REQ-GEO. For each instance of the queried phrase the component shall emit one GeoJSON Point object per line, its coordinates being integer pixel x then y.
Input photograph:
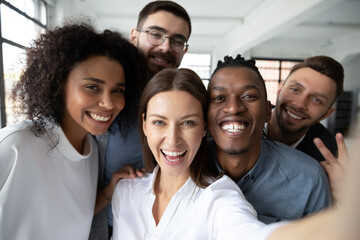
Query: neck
{"type": "Point", "coordinates": [276, 134]}
{"type": "Point", "coordinates": [77, 140]}
{"type": "Point", "coordinates": [167, 186]}
{"type": "Point", "coordinates": [237, 166]}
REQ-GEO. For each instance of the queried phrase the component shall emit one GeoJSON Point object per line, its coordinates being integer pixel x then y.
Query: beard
{"type": "Point", "coordinates": [235, 151]}
{"type": "Point", "coordinates": [168, 57]}
{"type": "Point", "coordinates": [284, 126]}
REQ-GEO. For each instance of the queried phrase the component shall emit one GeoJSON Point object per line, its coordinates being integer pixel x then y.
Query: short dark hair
{"type": "Point", "coordinates": [168, 6]}
{"type": "Point", "coordinates": [327, 66]}
{"type": "Point", "coordinates": [39, 94]}
{"type": "Point", "coordinates": [181, 80]}
{"type": "Point", "coordinates": [239, 61]}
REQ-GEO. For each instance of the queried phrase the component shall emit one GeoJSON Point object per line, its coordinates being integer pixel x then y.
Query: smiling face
{"type": "Point", "coordinates": [161, 56]}
{"type": "Point", "coordinates": [94, 95]}
{"type": "Point", "coordinates": [238, 110]}
{"type": "Point", "coordinates": [174, 130]}
{"type": "Point", "coordinates": [304, 100]}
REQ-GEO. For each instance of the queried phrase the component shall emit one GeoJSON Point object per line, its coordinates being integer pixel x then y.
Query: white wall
{"type": "Point", "coordinates": [352, 73]}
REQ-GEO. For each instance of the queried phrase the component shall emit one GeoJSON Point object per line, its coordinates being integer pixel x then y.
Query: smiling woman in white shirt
{"type": "Point", "coordinates": [179, 200]}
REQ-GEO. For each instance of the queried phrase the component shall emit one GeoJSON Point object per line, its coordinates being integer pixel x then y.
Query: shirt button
{"type": "Point", "coordinates": [252, 178]}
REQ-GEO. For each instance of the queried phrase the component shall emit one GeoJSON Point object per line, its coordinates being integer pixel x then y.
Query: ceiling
{"type": "Point", "coordinates": [260, 28]}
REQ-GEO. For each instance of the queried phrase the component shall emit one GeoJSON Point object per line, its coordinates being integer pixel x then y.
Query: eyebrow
{"type": "Point", "coordinates": [163, 30]}
{"type": "Point", "coordinates": [246, 87]}
{"type": "Point", "coordinates": [99, 81]}
{"type": "Point", "coordinates": [184, 117]}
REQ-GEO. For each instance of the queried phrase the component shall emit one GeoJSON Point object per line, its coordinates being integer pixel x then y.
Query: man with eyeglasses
{"type": "Point", "coordinates": [161, 35]}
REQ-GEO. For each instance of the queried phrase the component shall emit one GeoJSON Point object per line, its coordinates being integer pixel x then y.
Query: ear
{"type": "Point", "coordinates": [186, 49]}
{"type": "Point", "coordinates": [134, 36]}
{"type": "Point", "coordinates": [144, 124]}
{"type": "Point", "coordinates": [205, 130]}
{"type": "Point", "coordinates": [328, 112]}
{"type": "Point", "coordinates": [268, 111]}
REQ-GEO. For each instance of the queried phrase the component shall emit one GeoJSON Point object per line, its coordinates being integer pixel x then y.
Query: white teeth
{"type": "Point", "coordinates": [99, 118]}
{"type": "Point", "coordinates": [173, 154]}
{"type": "Point", "coordinates": [293, 115]}
{"type": "Point", "coordinates": [233, 127]}
{"type": "Point", "coordinates": [160, 59]}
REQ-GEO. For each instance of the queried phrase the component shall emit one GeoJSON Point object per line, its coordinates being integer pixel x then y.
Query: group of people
{"type": "Point", "coordinates": [121, 143]}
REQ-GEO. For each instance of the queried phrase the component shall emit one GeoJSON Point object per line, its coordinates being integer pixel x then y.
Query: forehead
{"type": "Point", "coordinates": [168, 21]}
{"type": "Point", "coordinates": [168, 103]}
{"type": "Point", "coordinates": [312, 80]}
{"type": "Point", "coordinates": [236, 78]}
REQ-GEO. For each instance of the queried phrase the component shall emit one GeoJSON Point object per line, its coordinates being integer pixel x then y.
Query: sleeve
{"type": "Point", "coordinates": [8, 155]}
{"type": "Point", "coordinates": [231, 216]}
{"type": "Point", "coordinates": [320, 197]}
{"type": "Point", "coordinates": [115, 205]}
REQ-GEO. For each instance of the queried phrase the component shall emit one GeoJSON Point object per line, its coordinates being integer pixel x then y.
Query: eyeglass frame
{"type": "Point", "coordinates": [147, 31]}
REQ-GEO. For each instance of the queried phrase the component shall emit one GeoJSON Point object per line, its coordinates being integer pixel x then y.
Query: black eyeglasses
{"type": "Point", "coordinates": [156, 37]}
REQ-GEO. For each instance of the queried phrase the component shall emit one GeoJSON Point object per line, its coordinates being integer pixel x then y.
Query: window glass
{"type": "Point", "coordinates": [14, 60]}
{"type": "Point", "coordinates": [274, 73]}
{"type": "Point", "coordinates": [33, 8]}
{"type": "Point", "coordinates": [26, 30]}
{"type": "Point", "coordinates": [199, 63]}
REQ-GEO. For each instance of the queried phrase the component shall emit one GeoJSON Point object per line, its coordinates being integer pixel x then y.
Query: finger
{"type": "Point", "coordinates": [327, 166]}
{"type": "Point", "coordinates": [342, 149]}
{"type": "Point", "coordinates": [129, 170]}
{"type": "Point", "coordinates": [324, 150]}
{"type": "Point", "coordinates": [139, 173]}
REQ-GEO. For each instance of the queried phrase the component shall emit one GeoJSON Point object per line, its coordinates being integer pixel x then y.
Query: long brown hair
{"type": "Point", "coordinates": [181, 80]}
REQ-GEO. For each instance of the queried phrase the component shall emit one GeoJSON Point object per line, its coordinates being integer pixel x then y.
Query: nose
{"type": "Point", "coordinates": [301, 102]}
{"type": "Point", "coordinates": [165, 46]}
{"type": "Point", "coordinates": [234, 106]}
{"type": "Point", "coordinates": [173, 135]}
{"type": "Point", "coordinates": [106, 101]}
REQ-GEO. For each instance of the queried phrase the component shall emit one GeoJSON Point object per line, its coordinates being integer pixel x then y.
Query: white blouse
{"type": "Point", "coordinates": [218, 212]}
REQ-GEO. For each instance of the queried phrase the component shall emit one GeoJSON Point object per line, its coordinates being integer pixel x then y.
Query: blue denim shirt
{"type": "Point", "coordinates": [284, 184]}
{"type": "Point", "coordinates": [120, 152]}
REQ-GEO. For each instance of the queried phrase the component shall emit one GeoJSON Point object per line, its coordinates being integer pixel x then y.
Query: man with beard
{"type": "Point", "coordinates": [161, 35]}
{"type": "Point", "coordinates": [280, 182]}
{"type": "Point", "coordinates": [305, 99]}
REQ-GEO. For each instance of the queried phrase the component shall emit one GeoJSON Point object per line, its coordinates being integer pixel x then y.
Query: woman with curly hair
{"type": "Point", "coordinates": [75, 84]}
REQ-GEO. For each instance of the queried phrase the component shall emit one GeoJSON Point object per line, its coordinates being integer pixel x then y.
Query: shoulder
{"type": "Point", "coordinates": [289, 159]}
{"type": "Point", "coordinates": [139, 184]}
{"type": "Point", "coordinates": [319, 130]}
{"type": "Point", "coordinates": [16, 132]}
{"type": "Point", "coordinates": [224, 189]}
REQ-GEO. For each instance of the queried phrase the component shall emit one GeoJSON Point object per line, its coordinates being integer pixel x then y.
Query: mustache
{"type": "Point", "coordinates": [167, 56]}
{"type": "Point", "coordinates": [295, 110]}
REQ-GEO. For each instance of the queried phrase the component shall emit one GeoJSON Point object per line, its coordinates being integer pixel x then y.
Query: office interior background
{"type": "Point", "coordinates": [277, 33]}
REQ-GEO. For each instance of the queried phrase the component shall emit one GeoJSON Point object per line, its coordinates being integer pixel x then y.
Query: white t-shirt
{"type": "Point", "coordinates": [218, 212]}
{"type": "Point", "coordinates": [47, 189]}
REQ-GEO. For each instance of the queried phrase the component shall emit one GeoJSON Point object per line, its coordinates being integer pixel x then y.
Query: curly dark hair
{"type": "Point", "coordinates": [39, 94]}
{"type": "Point", "coordinates": [239, 61]}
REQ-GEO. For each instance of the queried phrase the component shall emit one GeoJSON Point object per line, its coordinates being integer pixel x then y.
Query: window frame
{"type": "Point", "coordinates": [3, 117]}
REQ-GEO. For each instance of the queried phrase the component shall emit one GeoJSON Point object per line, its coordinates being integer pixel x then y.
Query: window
{"type": "Point", "coordinates": [21, 21]}
{"type": "Point", "coordinates": [274, 72]}
{"type": "Point", "coordinates": [199, 63]}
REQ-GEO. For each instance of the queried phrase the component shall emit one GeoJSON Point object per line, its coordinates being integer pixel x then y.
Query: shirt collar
{"type": "Point", "coordinates": [188, 186]}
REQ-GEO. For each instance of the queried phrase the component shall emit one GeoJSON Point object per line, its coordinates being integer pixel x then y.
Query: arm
{"type": "Point", "coordinates": [104, 196]}
{"type": "Point", "coordinates": [334, 167]}
{"type": "Point", "coordinates": [336, 223]}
